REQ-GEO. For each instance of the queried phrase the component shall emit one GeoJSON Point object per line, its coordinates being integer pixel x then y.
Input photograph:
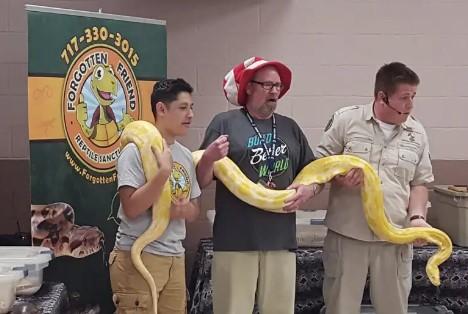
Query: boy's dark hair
{"type": "Point", "coordinates": [167, 90]}
{"type": "Point", "coordinates": [390, 75]}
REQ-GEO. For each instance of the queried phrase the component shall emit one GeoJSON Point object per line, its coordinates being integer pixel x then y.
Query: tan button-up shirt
{"type": "Point", "coordinates": [401, 161]}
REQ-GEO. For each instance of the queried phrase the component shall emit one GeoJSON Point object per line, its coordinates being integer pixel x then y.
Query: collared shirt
{"type": "Point", "coordinates": [401, 161]}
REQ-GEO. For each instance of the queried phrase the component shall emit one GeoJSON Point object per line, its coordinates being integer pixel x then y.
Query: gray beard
{"type": "Point", "coordinates": [267, 109]}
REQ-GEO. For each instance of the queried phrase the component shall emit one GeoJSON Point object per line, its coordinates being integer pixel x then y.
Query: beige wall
{"type": "Point", "coordinates": [334, 48]}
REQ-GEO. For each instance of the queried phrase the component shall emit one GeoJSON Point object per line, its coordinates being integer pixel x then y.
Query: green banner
{"type": "Point", "coordinates": [90, 74]}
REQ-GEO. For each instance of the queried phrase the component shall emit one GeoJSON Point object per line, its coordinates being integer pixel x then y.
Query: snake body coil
{"type": "Point", "coordinates": [145, 135]}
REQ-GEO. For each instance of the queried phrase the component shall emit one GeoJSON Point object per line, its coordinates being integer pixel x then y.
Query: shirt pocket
{"type": "Point", "coordinates": [407, 161]}
{"type": "Point", "coordinates": [359, 149]}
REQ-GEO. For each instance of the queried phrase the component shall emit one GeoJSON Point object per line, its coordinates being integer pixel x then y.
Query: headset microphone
{"type": "Point", "coordinates": [385, 100]}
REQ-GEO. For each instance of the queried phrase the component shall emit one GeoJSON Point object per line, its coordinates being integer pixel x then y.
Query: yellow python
{"type": "Point", "coordinates": [145, 135]}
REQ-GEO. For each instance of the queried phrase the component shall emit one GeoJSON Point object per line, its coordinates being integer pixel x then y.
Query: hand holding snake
{"type": "Point", "coordinates": [147, 137]}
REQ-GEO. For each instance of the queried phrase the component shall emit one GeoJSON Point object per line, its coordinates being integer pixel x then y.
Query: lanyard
{"type": "Point", "coordinates": [270, 154]}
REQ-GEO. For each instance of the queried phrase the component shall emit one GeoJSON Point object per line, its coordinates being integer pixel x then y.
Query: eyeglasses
{"type": "Point", "coordinates": [269, 85]}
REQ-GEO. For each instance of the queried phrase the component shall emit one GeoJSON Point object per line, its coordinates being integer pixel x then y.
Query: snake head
{"type": "Point", "coordinates": [433, 274]}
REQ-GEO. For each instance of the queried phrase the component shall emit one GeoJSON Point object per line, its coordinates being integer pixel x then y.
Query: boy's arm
{"type": "Point", "coordinates": [188, 210]}
{"type": "Point", "coordinates": [136, 201]}
{"type": "Point", "coordinates": [216, 150]}
{"type": "Point", "coordinates": [216, 146]}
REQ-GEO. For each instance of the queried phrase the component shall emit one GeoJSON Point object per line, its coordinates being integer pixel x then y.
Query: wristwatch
{"type": "Point", "coordinates": [414, 217]}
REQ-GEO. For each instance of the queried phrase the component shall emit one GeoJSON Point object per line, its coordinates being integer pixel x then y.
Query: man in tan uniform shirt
{"type": "Point", "coordinates": [395, 143]}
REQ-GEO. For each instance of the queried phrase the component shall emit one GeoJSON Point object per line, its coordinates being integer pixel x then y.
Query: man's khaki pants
{"type": "Point", "coordinates": [347, 262]}
{"type": "Point", "coordinates": [241, 277]}
{"type": "Point", "coordinates": [131, 292]}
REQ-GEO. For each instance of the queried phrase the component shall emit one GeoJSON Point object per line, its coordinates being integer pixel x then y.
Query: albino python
{"type": "Point", "coordinates": [145, 135]}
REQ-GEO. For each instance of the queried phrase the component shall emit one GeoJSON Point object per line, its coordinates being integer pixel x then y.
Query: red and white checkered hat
{"type": "Point", "coordinates": [236, 80]}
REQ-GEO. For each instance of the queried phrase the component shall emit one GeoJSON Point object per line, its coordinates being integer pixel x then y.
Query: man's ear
{"type": "Point", "coordinates": [382, 95]}
{"type": "Point", "coordinates": [161, 108]}
{"type": "Point", "coordinates": [248, 88]}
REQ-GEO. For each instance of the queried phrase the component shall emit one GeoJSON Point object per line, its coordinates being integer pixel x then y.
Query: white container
{"type": "Point", "coordinates": [9, 278]}
{"type": "Point", "coordinates": [310, 227]}
{"type": "Point", "coordinates": [35, 259]}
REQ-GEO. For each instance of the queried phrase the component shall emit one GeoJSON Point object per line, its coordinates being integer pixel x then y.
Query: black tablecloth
{"type": "Point", "coordinates": [452, 293]}
{"type": "Point", "coordinates": [52, 298]}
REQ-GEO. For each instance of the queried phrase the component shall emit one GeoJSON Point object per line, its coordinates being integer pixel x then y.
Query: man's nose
{"type": "Point", "coordinates": [410, 104]}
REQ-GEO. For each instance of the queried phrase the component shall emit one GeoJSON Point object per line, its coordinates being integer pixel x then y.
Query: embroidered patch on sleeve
{"type": "Point", "coordinates": [329, 124]}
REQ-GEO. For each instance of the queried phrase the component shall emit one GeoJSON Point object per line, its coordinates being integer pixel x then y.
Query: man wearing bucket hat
{"type": "Point", "coordinates": [253, 248]}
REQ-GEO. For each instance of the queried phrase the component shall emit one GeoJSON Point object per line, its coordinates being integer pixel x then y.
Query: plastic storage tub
{"type": "Point", "coordinates": [310, 226]}
{"type": "Point", "coordinates": [34, 259]}
{"type": "Point", "coordinates": [9, 278]}
{"type": "Point", "coordinates": [449, 212]}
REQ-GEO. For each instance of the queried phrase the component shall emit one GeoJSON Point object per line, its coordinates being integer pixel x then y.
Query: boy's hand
{"type": "Point", "coordinates": [217, 149]}
{"type": "Point", "coordinates": [164, 158]}
{"type": "Point", "coordinates": [179, 208]}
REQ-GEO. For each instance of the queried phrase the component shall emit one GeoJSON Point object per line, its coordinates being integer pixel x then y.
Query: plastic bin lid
{"type": "Point", "coordinates": [5, 267]}
{"type": "Point", "coordinates": [25, 254]}
{"type": "Point", "coordinates": [14, 271]}
{"type": "Point", "coordinates": [444, 189]}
